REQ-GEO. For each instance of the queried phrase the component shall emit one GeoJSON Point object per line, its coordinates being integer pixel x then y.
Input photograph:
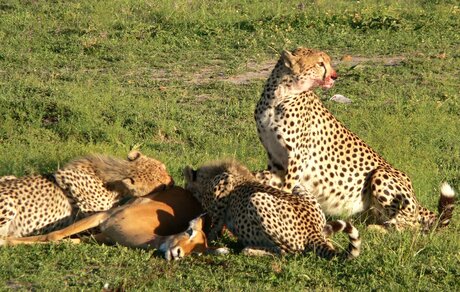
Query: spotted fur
{"type": "Point", "coordinates": [42, 203]}
{"type": "Point", "coordinates": [263, 218]}
{"type": "Point", "coordinates": [308, 146]}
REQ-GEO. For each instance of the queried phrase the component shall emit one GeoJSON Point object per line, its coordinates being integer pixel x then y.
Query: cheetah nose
{"type": "Point", "coordinates": [334, 75]}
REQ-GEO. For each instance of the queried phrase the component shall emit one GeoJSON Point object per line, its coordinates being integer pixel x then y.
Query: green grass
{"type": "Point", "coordinates": [101, 76]}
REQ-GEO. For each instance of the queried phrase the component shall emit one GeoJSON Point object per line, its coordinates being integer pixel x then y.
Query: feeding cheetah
{"type": "Point", "coordinates": [308, 146]}
{"type": "Point", "coordinates": [39, 204]}
{"type": "Point", "coordinates": [263, 218]}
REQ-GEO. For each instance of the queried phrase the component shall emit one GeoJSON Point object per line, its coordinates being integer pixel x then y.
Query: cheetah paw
{"type": "Point", "coordinates": [377, 228]}
{"type": "Point", "coordinates": [218, 251]}
{"type": "Point", "coordinates": [249, 251]}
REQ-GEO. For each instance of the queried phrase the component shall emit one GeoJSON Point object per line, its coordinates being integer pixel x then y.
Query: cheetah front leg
{"type": "Point", "coordinates": [295, 170]}
{"type": "Point", "coordinates": [217, 224]}
{"type": "Point", "coordinates": [283, 179]}
{"type": "Point", "coordinates": [215, 231]}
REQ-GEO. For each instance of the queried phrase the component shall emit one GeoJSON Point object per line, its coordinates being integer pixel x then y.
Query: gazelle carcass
{"type": "Point", "coordinates": [169, 221]}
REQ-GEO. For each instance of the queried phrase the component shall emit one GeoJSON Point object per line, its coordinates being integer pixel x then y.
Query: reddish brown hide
{"type": "Point", "coordinates": [168, 220]}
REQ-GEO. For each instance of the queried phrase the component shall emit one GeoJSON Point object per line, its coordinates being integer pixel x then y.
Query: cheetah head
{"type": "Point", "coordinates": [306, 69]}
{"type": "Point", "coordinates": [146, 175]}
{"type": "Point", "coordinates": [198, 181]}
{"type": "Point", "coordinates": [213, 179]}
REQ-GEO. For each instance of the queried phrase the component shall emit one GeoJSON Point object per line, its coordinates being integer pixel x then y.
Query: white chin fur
{"type": "Point", "coordinates": [168, 256]}
{"type": "Point", "coordinates": [328, 84]}
{"type": "Point", "coordinates": [447, 190]}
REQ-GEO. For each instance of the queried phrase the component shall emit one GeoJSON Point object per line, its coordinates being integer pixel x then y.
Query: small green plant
{"type": "Point", "coordinates": [182, 78]}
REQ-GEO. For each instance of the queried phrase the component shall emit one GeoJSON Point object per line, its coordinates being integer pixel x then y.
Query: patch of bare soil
{"type": "Point", "coordinates": [357, 60]}
{"type": "Point", "coordinates": [255, 71]}
{"type": "Point", "coordinates": [261, 71]}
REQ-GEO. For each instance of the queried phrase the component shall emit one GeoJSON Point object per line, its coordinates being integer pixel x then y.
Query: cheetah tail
{"type": "Point", "coordinates": [446, 204]}
{"type": "Point", "coordinates": [354, 247]}
{"type": "Point", "coordinates": [429, 220]}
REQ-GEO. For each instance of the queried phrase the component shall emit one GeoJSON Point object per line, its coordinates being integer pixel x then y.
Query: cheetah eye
{"type": "Point", "coordinates": [322, 64]}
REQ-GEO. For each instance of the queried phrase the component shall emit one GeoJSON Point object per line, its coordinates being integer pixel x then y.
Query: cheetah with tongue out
{"type": "Point", "coordinates": [308, 146]}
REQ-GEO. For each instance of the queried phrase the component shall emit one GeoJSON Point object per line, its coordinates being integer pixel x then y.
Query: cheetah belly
{"type": "Point", "coordinates": [333, 205]}
{"type": "Point", "coordinates": [336, 200]}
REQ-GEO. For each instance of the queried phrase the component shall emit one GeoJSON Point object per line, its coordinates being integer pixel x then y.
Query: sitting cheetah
{"type": "Point", "coordinates": [42, 203]}
{"type": "Point", "coordinates": [308, 146]}
{"type": "Point", "coordinates": [263, 218]}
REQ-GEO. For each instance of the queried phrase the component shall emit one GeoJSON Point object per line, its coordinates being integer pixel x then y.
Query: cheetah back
{"type": "Point", "coordinates": [265, 216]}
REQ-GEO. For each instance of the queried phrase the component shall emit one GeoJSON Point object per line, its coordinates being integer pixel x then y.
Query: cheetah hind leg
{"type": "Point", "coordinates": [79, 226]}
{"type": "Point", "coordinates": [7, 215]}
{"type": "Point", "coordinates": [392, 200]}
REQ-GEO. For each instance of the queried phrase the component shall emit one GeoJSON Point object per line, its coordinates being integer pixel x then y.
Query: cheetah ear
{"type": "Point", "coordinates": [290, 61]}
{"type": "Point", "coordinates": [189, 174]}
{"type": "Point", "coordinates": [134, 155]}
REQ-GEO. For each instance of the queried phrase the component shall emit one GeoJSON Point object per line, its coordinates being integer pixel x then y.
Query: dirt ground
{"type": "Point", "coordinates": [261, 71]}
